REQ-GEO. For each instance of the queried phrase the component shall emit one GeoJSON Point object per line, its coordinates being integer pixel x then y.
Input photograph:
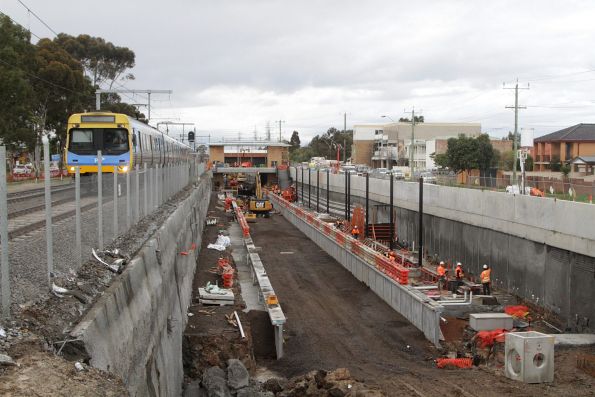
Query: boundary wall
{"type": "Point", "coordinates": [135, 329]}
{"type": "Point", "coordinates": [540, 249]}
{"type": "Point", "coordinates": [416, 307]}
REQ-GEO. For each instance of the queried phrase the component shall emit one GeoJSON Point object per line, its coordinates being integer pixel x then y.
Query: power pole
{"type": "Point", "coordinates": [516, 108]}
{"type": "Point", "coordinates": [345, 139]}
{"type": "Point", "coordinates": [280, 122]}
{"type": "Point", "coordinates": [411, 166]}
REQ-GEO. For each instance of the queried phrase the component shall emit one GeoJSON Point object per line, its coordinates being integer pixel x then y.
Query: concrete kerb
{"type": "Point", "coordinates": [421, 311]}
{"type": "Point", "coordinates": [135, 329]}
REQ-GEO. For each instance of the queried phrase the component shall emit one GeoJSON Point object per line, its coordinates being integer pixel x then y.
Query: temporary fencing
{"type": "Point", "coordinates": [455, 362]}
{"type": "Point", "coordinates": [241, 219]}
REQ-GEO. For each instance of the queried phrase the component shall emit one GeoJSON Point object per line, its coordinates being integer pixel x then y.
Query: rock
{"type": "Point", "coordinates": [319, 378]}
{"type": "Point", "coordinates": [237, 374]}
{"type": "Point", "coordinates": [6, 360]}
{"type": "Point", "coordinates": [193, 390]}
{"type": "Point", "coordinates": [213, 379]}
{"type": "Point", "coordinates": [252, 391]}
{"type": "Point", "coordinates": [274, 385]}
{"type": "Point", "coordinates": [338, 374]}
{"type": "Point", "coordinates": [312, 389]}
{"type": "Point", "coordinates": [79, 366]}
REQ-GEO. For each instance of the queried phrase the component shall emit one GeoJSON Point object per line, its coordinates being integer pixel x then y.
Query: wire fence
{"type": "Point", "coordinates": [50, 232]}
{"type": "Point", "coordinates": [568, 189]}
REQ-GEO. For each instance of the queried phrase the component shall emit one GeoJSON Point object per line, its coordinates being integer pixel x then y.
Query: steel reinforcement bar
{"type": "Point", "coordinates": [383, 277]}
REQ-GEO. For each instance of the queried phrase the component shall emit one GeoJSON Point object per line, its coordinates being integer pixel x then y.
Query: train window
{"type": "Point", "coordinates": [81, 141]}
{"type": "Point", "coordinates": [115, 141]}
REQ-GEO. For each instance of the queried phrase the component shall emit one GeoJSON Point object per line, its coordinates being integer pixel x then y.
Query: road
{"type": "Point", "coordinates": [336, 321]}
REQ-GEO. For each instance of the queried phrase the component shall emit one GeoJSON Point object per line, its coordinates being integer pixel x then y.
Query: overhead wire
{"type": "Point", "coordinates": [16, 23]}
{"type": "Point", "coordinates": [38, 18]}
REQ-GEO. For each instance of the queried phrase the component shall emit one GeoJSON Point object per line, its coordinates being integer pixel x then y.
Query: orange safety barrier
{"type": "Point", "coordinates": [241, 220]}
{"type": "Point", "coordinates": [392, 269]}
{"type": "Point", "coordinates": [487, 338]}
{"type": "Point", "coordinates": [518, 311]}
{"type": "Point", "coordinates": [455, 362]}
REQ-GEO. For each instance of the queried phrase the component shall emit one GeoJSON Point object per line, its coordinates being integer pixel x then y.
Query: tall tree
{"type": "Point", "coordinates": [418, 119]}
{"type": "Point", "coordinates": [103, 61]}
{"type": "Point", "coordinates": [16, 92]}
{"type": "Point", "coordinates": [294, 141]}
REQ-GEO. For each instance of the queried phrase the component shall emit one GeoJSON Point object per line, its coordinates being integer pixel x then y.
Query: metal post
{"type": "Point", "coordinates": [128, 203]}
{"type": "Point", "coordinates": [156, 196]}
{"type": "Point", "coordinates": [391, 216]}
{"type": "Point", "coordinates": [328, 191]}
{"type": "Point", "coordinates": [345, 204]}
{"type": "Point", "coordinates": [99, 200]}
{"type": "Point", "coordinates": [309, 182]}
{"type": "Point", "coordinates": [115, 204]}
{"type": "Point", "coordinates": [297, 199]}
{"type": "Point", "coordinates": [146, 209]}
{"type": "Point", "coordinates": [48, 210]}
{"type": "Point", "coordinates": [136, 196]}
{"type": "Point", "coordinates": [317, 190]}
{"type": "Point", "coordinates": [420, 244]}
{"type": "Point", "coordinates": [349, 196]}
{"type": "Point", "coordinates": [5, 270]}
{"type": "Point", "coordinates": [77, 218]}
{"type": "Point", "coordinates": [302, 168]}
{"type": "Point", "coordinates": [367, 202]}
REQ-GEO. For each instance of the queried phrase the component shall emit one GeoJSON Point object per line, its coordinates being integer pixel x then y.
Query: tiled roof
{"type": "Point", "coordinates": [579, 132]}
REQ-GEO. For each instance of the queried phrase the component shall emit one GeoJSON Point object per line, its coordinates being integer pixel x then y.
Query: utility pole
{"type": "Point", "coordinates": [280, 122]}
{"type": "Point", "coordinates": [516, 108]}
{"type": "Point", "coordinates": [345, 139]}
{"type": "Point", "coordinates": [123, 91]}
{"type": "Point", "coordinates": [411, 166]}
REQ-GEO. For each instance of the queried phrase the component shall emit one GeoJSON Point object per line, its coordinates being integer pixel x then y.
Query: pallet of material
{"type": "Point", "coordinates": [216, 299]}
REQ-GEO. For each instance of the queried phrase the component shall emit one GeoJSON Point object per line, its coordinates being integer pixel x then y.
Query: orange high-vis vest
{"type": "Point", "coordinates": [459, 272]}
{"type": "Point", "coordinates": [441, 270]}
{"type": "Point", "coordinates": [485, 276]}
{"type": "Point", "coordinates": [355, 231]}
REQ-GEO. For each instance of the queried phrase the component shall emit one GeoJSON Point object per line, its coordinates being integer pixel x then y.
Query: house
{"type": "Point", "coordinates": [564, 147]}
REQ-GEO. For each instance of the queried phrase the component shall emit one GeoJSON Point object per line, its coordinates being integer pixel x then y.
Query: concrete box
{"type": "Point", "coordinates": [529, 357]}
{"type": "Point", "coordinates": [490, 321]}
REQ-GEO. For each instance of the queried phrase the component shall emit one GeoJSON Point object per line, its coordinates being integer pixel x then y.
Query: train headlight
{"type": "Point", "coordinates": [72, 169]}
{"type": "Point", "coordinates": [123, 168]}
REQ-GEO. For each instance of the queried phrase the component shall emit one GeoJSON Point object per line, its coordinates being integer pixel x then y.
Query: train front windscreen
{"type": "Point", "coordinates": [111, 141]}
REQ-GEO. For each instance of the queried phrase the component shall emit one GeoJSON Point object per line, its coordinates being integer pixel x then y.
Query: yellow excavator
{"type": "Point", "coordinates": [258, 204]}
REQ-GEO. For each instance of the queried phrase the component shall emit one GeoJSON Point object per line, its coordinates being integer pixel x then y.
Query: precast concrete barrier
{"type": "Point", "coordinates": [416, 307]}
{"type": "Point", "coordinates": [135, 329]}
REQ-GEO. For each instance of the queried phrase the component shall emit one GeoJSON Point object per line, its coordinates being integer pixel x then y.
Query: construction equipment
{"type": "Point", "coordinates": [259, 204]}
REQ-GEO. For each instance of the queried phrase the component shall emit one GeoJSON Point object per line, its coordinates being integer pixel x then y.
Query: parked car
{"type": "Point", "coordinates": [21, 170]}
{"type": "Point", "coordinates": [398, 174]}
{"type": "Point", "coordinates": [428, 177]}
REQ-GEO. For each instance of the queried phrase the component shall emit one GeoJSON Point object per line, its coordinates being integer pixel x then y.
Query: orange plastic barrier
{"type": "Point", "coordinates": [242, 221]}
{"type": "Point", "coordinates": [487, 338]}
{"type": "Point", "coordinates": [518, 311]}
{"type": "Point", "coordinates": [455, 362]}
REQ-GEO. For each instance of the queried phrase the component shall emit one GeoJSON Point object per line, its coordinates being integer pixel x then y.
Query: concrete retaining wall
{"type": "Point", "coordinates": [410, 303]}
{"type": "Point", "coordinates": [540, 249]}
{"type": "Point", "coordinates": [135, 329]}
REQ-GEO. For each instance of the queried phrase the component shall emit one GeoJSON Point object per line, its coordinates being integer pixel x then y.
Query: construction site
{"type": "Point", "coordinates": [294, 282]}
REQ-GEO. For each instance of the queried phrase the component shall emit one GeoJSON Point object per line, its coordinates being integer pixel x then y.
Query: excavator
{"type": "Point", "coordinates": [259, 205]}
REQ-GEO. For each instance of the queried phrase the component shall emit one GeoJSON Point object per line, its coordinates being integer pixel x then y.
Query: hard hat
{"type": "Point", "coordinates": [355, 226]}
{"type": "Point", "coordinates": [442, 262]}
{"type": "Point", "coordinates": [459, 264]}
{"type": "Point", "coordinates": [485, 266]}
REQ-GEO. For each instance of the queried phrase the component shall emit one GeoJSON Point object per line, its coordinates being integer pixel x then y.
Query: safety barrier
{"type": "Point", "coordinates": [394, 270]}
{"type": "Point", "coordinates": [241, 219]}
{"type": "Point", "coordinates": [359, 259]}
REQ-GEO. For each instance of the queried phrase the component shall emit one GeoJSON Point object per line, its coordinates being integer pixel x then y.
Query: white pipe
{"type": "Point", "coordinates": [459, 303]}
{"type": "Point", "coordinates": [426, 287]}
{"type": "Point", "coordinates": [239, 324]}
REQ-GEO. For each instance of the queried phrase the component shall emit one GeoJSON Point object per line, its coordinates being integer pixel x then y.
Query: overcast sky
{"type": "Point", "coordinates": [235, 65]}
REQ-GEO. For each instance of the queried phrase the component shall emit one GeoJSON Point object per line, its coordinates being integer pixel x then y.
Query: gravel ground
{"type": "Point", "coordinates": [336, 321]}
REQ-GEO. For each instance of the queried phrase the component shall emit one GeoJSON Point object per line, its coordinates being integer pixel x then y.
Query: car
{"type": "Point", "coordinates": [21, 169]}
{"type": "Point", "coordinates": [428, 177]}
{"type": "Point", "coordinates": [398, 174]}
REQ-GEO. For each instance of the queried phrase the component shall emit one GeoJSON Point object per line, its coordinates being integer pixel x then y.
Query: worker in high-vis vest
{"type": "Point", "coordinates": [486, 280]}
{"type": "Point", "coordinates": [441, 271]}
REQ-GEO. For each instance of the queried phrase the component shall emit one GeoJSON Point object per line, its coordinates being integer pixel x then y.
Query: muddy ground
{"type": "Point", "coordinates": [333, 321]}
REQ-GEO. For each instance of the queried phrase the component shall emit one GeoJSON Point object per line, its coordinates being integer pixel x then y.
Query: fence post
{"type": "Point", "coordinates": [115, 203]}
{"type": "Point", "coordinates": [77, 217]}
{"type": "Point", "coordinates": [128, 203]}
{"type": "Point", "coordinates": [328, 191]}
{"type": "Point", "coordinates": [5, 271]}
{"type": "Point", "coordinates": [99, 200]}
{"type": "Point", "coordinates": [391, 219]}
{"type": "Point", "coordinates": [420, 243]}
{"type": "Point", "coordinates": [48, 210]}
{"type": "Point", "coordinates": [136, 196]}
{"type": "Point", "coordinates": [145, 189]}
{"type": "Point", "coordinates": [367, 202]}
{"type": "Point", "coordinates": [317, 190]}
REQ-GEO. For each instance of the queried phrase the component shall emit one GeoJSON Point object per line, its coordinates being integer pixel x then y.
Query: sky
{"type": "Point", "coordinates": [237, 65]}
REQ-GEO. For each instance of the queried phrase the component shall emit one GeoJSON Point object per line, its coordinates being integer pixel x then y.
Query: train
{"type": "Point", "coordinates": [124, 143]}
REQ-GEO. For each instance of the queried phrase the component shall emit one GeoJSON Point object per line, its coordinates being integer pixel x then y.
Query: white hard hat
{"type": "Point", "coordinates": [442, 262]}
{"type": "Point", "coordinates": [459, 264]}
{"type": "Point", "coordinates": [485, 266]}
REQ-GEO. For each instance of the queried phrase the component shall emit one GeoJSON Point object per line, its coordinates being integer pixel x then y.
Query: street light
{"type": "Point", "coordinates": [390, 152]}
